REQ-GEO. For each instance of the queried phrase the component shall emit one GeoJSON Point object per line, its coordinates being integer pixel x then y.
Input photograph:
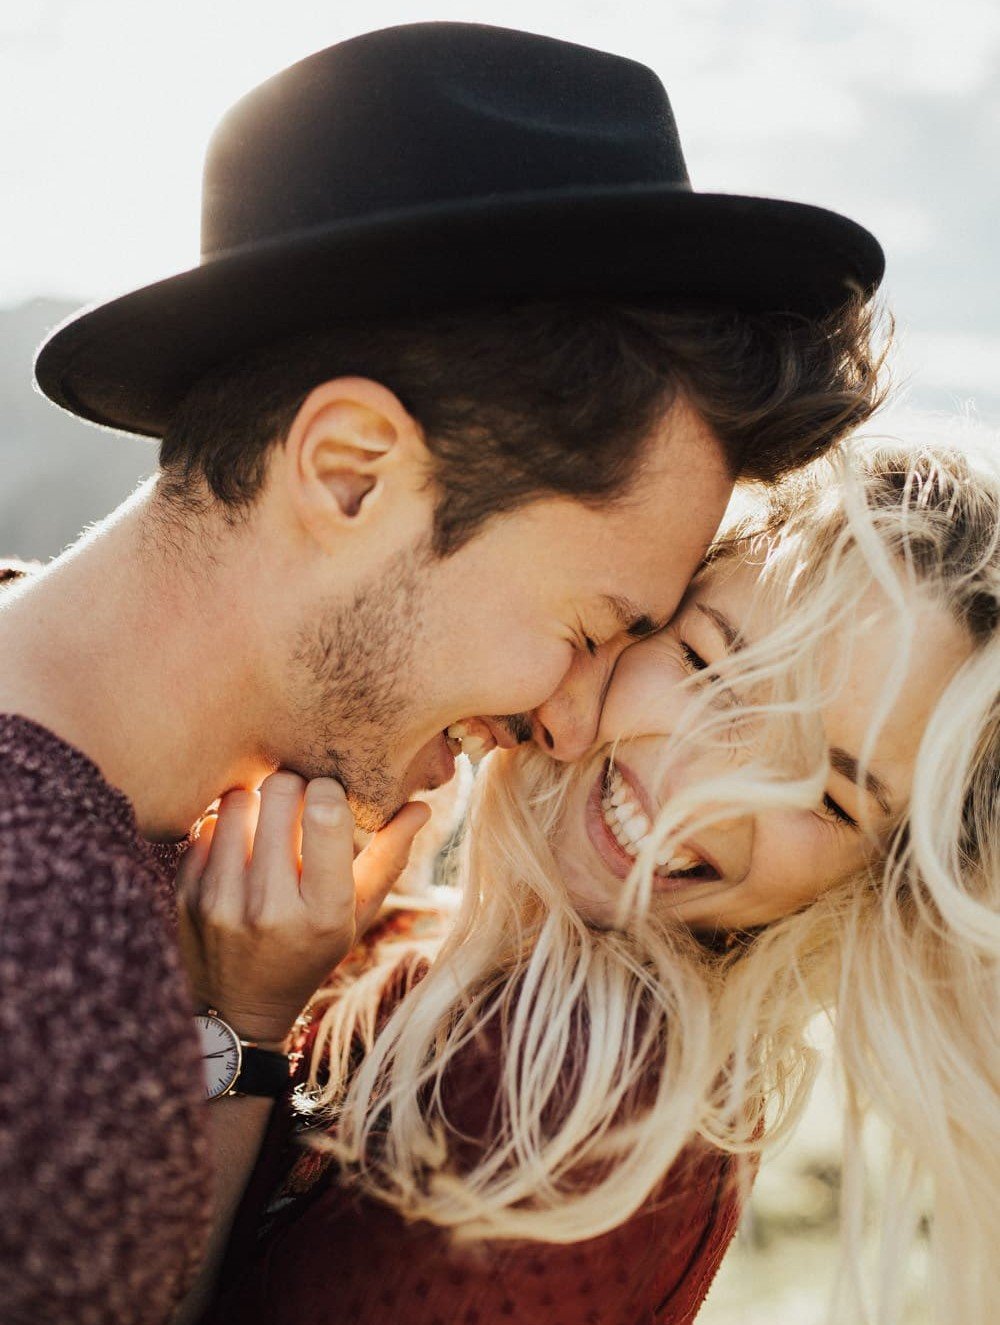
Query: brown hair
{"type": "Point", "coordinates": [543, 399]}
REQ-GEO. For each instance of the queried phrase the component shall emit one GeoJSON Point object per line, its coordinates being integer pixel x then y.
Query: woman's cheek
{"type": "Point", "coordinates": [644, 697]}
{"type": "Point", "coordinates": [797, 857]}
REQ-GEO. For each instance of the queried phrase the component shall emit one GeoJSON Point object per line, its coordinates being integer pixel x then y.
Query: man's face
{"type": "Point", "coordinates": [516, 634]}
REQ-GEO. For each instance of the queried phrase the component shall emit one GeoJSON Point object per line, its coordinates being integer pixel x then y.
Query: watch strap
{"type": "Point", "coordinates": [262, 1072]}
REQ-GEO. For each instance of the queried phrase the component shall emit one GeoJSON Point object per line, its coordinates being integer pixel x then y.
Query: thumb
{"type": "Point", "coordinates": [384, 858]}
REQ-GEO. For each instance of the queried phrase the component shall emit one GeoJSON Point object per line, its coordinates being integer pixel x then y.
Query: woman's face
{"type": "Point", "coordinates": [755, 866]}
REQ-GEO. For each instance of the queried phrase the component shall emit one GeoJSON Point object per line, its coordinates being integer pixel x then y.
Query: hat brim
{"type": "Point", "coordinates": [126, 364]}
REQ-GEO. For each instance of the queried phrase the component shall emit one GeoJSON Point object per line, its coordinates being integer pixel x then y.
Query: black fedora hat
{"type": "Point", "coordinates": [433, 166]}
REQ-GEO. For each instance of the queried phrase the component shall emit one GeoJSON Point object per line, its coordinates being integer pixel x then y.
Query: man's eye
{"type": "Point", "coordinates": [694, 660]}
{"type": "Point", "coordinates": [841, 815]}
{"type": "Point", "coordinates": [589, 645]}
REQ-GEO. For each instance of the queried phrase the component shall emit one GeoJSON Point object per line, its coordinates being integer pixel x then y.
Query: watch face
{"type": "Point", "coordinates": [220, 1053]}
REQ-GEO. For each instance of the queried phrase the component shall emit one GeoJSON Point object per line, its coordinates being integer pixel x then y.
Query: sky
{"type": "Point", "coordinates": [884, 109]}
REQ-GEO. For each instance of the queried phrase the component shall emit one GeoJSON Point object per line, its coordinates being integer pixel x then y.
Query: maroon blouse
{"type": "Point", "coordinates": [308, 1250]}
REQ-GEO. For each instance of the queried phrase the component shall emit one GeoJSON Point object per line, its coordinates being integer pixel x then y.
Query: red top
{"type": "Point", "coordinates": [306, 1250]}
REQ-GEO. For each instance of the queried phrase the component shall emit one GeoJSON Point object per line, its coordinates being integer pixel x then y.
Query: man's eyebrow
{"type": "Point", "coordinates": [734, 640]}
{"type": "Point", "coordinates": [845, 764]}
{"type": "Point", "coordinates": [632, 619]}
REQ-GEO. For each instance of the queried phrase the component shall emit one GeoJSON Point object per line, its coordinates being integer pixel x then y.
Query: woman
{"type": "Point", "coordinates": [793, 806]}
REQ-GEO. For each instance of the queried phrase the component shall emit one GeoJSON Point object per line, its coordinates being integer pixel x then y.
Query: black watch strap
{"type": "Point", "coordinates": [263, 1072]}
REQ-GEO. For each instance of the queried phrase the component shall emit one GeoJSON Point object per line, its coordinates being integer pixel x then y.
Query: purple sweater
{"type": "Point", "coordinates": [104, 1166]}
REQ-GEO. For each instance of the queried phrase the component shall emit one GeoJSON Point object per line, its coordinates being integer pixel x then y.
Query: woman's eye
{"type": "Point", "coordinates": [589, 645]}
{"type": "Point", "coordinates": [841, 815]}
{"type": "Point", "coordinates": [694, 660]}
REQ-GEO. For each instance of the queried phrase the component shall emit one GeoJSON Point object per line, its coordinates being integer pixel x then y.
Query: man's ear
{"type": "Point", "coordinates": [350, 441]}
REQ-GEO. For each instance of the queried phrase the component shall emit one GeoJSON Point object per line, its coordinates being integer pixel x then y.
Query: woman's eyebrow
{"type": "Point", "coordinates": [734, 640]}
{"type": "Point", "coordinates": [845, 764]}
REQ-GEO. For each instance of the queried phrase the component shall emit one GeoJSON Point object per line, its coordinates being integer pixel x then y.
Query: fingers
{"type": "Point", "coordinates": [189, 878]}
{"type": "Point", "coordinates": [222, 886]}
{"type": "Point", "coordinates": [384, 859]}
{"type": "Point", "coordinates": [206, 834]}
{"type": "Point", "coordinates": [279, 865]}
{"type": "Point", "coordinates": [327, 881]}
{"type": "Point", "coordinates": [273, 880]}
{"type": "Point", "coordinates": [194, 860]}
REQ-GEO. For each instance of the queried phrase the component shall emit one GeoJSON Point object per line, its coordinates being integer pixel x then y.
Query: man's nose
{"type": "Point", "coordinates": [566, 725]}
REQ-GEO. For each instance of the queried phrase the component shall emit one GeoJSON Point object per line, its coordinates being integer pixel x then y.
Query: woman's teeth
{"type": "Point", "coordinates": [626, 820]}
{"type": "Point", "coordinates": [681, 861]}
{"type": "Point", "coordinates": [463, 741]}
{"type": "Point", "coordinates": [630, 826]}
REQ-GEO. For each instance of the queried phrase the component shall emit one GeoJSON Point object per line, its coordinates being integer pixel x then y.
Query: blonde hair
{"type": "Point", "coordinates": [621, 1044]}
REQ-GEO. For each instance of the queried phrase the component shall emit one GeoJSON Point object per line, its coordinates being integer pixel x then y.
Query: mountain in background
{"type": "Point", "coordinates": [57, 474]}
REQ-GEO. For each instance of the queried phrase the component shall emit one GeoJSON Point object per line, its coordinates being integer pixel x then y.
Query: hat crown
{"type": "Point", "coordinates": [425, 114]}
{"type": "Point", "coordinates": [433, 167]}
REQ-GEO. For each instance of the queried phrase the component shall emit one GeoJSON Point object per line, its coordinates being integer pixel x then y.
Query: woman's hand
{"type": "Point", "coordinates": [271, 899]}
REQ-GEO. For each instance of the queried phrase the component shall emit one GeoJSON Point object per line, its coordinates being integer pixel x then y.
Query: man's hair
{"type": "Point", "coordinates": [541, 399]}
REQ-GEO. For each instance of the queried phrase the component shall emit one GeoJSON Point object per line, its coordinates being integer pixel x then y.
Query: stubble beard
{"type": "Point", "coordinates": [353, 697]}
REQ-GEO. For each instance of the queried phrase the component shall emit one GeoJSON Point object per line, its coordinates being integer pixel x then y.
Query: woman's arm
{"type": "Point", "coordinates": [270, 900]}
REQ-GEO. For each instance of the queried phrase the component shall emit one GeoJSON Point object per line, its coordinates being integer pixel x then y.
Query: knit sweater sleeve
{"type": "Point", "coordinates": [104, 1169]}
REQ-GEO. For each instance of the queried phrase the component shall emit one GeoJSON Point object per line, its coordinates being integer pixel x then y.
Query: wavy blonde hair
{"type": "Point", "coordinates": [673, 1036]}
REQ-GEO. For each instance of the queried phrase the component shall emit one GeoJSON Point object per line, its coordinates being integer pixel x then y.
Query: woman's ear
{"type": "Point", "coordinates": [350, 441]}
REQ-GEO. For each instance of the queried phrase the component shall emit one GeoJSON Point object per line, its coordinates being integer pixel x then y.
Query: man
{"type": "Point", "coordinates": [449, 413]}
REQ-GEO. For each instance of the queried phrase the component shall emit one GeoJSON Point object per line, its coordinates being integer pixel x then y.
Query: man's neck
{"type": "Point", "coordinates": [129, 650]}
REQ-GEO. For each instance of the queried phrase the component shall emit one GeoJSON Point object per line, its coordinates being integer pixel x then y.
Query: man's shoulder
{"type": "Point", "coordinates": [67, 839]}
{"type": "Point", "coordinates": [43, 776]}
{"type": "Point", "coordinates": [41, 822]}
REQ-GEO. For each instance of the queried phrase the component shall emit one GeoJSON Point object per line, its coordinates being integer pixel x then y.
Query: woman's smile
{"type": "Point", "coordinates": [618, 818]}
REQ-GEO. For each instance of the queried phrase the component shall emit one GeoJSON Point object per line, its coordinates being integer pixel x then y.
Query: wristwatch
{"type": "Point", "coordinates": [238, 1067]}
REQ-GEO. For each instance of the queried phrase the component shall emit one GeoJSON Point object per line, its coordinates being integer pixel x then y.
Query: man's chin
{"type": "Point", "coordinates": [431, 767]}
{"type": "Point", "coordinates": [370, 816]}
